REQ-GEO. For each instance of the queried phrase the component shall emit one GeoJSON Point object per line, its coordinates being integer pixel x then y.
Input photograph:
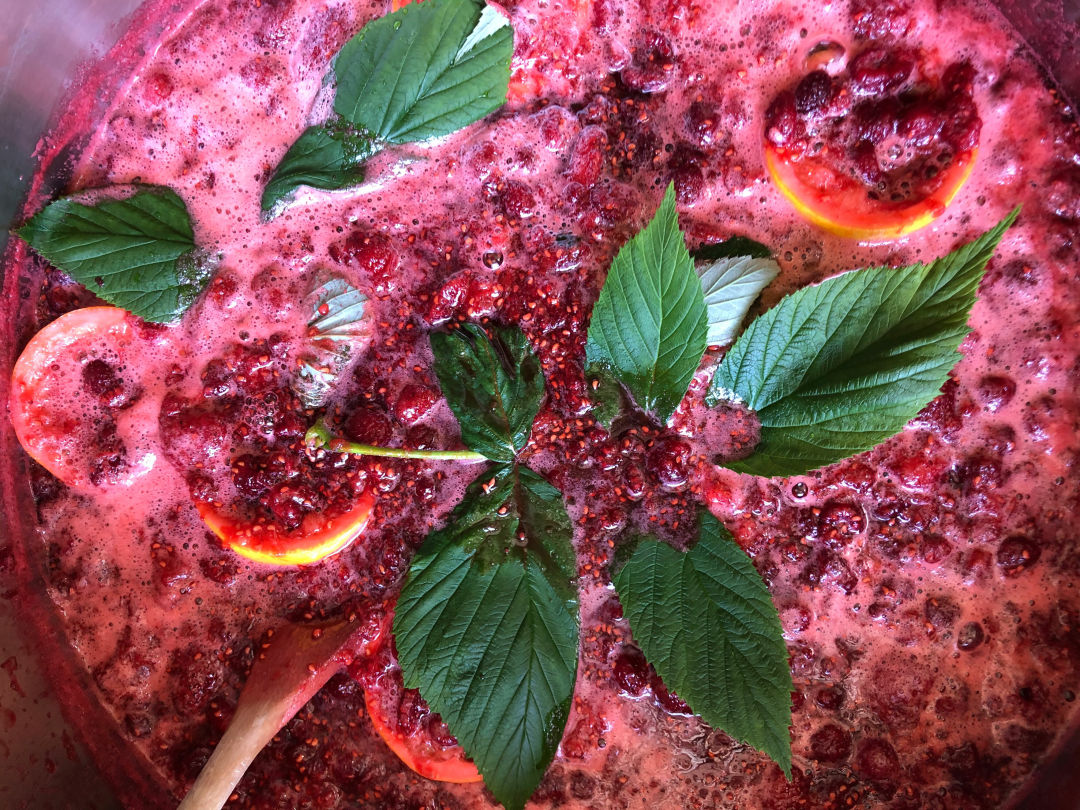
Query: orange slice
{"type": "Point", "coordinates": [841, 206]}
{"type": "Point", "coordinates": [316, 539]}
{"type": "Point", "coordinates": [46, 373]}
{"type": "Point", "coordinates": [419, 752]}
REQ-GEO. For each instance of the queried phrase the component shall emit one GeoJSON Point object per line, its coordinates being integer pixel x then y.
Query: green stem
{"type": "Point", "coordinates": [319, 436]}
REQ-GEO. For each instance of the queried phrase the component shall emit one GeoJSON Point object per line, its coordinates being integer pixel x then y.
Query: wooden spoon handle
{"type": "Point", "coordinates": [297, 664]}
{"type": "Point", "coordinates": [248, 733]}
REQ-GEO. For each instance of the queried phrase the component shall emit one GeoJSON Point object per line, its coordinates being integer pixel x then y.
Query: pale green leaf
{"type": "Point", "coordinates": [731, 285]}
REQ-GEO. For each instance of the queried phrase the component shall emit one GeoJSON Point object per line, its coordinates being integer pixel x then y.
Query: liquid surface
{"type": "Point", "coordinates": [927, 589]}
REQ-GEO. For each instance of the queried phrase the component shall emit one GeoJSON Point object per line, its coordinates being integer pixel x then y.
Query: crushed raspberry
{"type": "Point", "coordinates": [414, 403]}
{"type": "Point", "coordinates": [881, 19]}
{"type": "Point", "coordinates": [871, 127]}
{"type": "Point", "coordinates": [1017, 553]}
{"type": "Point", "coordinates": [653, 63]}
{"type": "Point", "coordinates": [996, 391]}
{"type": "Point", "coordinates": [631, 671]}
{"type": "Point", "coordinates": [876, 759]}
{"type": "Point", "coordinates": [367, 425]}
{"type": "Point", "coordinates": [668, 462]}
{"type": "Point", "coordinates": [830, 743]}
{"type": "Point", "coordinates": [587, 158]}
{"type": "Point", "coordinates": [516, 200]}
{"type": "Point", "coordinates": [158, 88]}
{"type": "Point", "coordinates": [373, 254]}
{"type": "Point", "coordinates": [970, 636]}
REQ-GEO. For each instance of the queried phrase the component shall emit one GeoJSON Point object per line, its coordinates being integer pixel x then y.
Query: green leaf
{"type": "Point", "coordinates": [706, 622]}
{"type": "Point", "coordinates": [606, 396]}
{"type": "Point", "coordinates": [834, 369]}
{"type": "Point", "coordinates": [137, 253]}
{"type": "Point", "coordinates": [731, 248]}
{"type": "Point", "coordinates": [327, 157]}
{"type": "Point", "coordinates": [730, 287]}
{"type": "Point", "coordinates": [426, 70]}
{"type": "Point", "coordinates": [487, 627]}
{"type": "Point", "coordinates": [494, 386]}
{"type": "Point", "coordinates": [649, 324]}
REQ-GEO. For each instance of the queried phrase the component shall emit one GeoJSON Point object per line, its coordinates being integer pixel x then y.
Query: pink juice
{"type": "Point", "coordinates": [926, 589]}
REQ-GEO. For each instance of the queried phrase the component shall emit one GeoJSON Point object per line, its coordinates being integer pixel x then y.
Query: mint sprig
{"type": "Point", "coordinates": [648, 326]}
{"type": "Point", "coordinates": [837, 368]}
{"type": "Point", "coordinates": [421, 72]}
{"type": "Point", "coordinates": [487, 624]}
{"type": "Point", "coordinates": [706, 622]}
{"type": "Point", "coordinates": [487, 627]}
{"type": "Point", "coordinates": [487, 620]}
{"type": "Point", "coordinates": [136, 252]}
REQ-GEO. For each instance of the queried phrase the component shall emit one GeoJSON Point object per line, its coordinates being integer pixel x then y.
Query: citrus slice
{"type": "Point", "coordinates": [47, 379]}
{"type": "Point", "coordinates": [418, 751]}
{"type": "Point", "coordinates": [842, 206]}
{"type": "Point", "coordinates": [316, 539]}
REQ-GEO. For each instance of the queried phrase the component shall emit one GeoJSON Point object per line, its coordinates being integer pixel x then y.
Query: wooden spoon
{"type": "Point", "coordinates": [298, 662]}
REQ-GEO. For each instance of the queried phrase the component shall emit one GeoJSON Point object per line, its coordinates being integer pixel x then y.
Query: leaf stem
{"type": "Point", "coordinates": [319, 437]}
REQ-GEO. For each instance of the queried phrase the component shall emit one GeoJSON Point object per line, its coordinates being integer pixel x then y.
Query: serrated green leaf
{"type": "Point", "coordinates": [837, 368]}
{"type": "Point", "coordinates": [487, 627]}
{"type": "Point", "coordinates": [137, 252]}
{"type": "Point", "coordinates": [494, 386]}
{"type": "Point", "coordinates": [329, 157]}
{"type": "Point", "coordinates": [421, 72]}
{"type": "Point", "coordinates": [649, 324]}
{"type": "Point", "coordinates": [706, 622]}
{"type": "Point", "coordinates": [731, 285]}
{"type": "Point", "coordinates": [731, 248]}
{"type": "Point", "coordinates": [426, 70]}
